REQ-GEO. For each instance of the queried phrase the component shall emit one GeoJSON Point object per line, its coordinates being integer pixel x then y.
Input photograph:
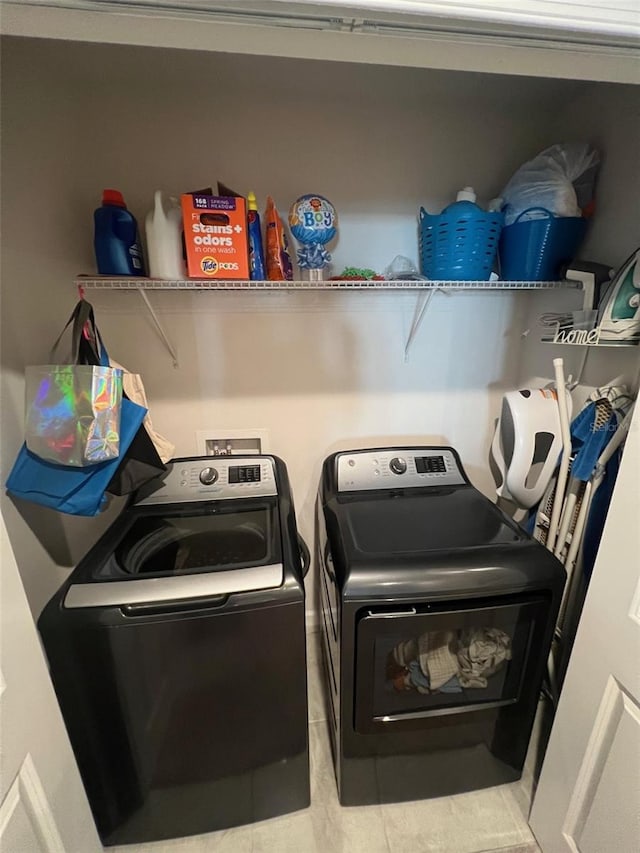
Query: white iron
{"type": "Point", "coordinates": [619, 312]}
{"type": "Point", "coordinates": [527, 443]}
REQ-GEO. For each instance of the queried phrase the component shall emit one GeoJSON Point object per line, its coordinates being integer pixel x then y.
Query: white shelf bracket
{"type": "Point", "coordinates": [422, 304]}
{"type": "Point", "coordinates": [159, 327]}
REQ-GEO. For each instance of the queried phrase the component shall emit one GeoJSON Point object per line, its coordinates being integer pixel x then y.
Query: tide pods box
{"type": "Point", "coordinates": [215, 236]}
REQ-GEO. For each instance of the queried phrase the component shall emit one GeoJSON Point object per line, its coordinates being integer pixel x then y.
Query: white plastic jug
{"type": "Point", "coordinates": [164, 239]}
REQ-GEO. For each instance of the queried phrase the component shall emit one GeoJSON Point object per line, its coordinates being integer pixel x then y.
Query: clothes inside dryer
{"type": "Point", "coordinates": [407, 523]}
{"type": "Point", "coordinates": [159, 545]}
{"type": "Point", "coordinates": [448, 661]}
{"type": "Point", "coordinates": [436, 658]}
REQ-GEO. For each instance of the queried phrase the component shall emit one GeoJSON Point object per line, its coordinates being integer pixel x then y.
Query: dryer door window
{"type": "Point", "coordinates": [433, 660]}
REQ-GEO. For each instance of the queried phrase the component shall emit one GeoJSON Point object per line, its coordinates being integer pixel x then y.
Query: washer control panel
{"type": "Point", "coordinates": [398, 468]}
{"type": "Point", "coordinates": [217, 478]}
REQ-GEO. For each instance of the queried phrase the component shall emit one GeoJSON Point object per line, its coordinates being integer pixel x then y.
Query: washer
{"type": "Point", "coordinates": [177, 651]}
{"type": "Point", "coordinates": [438, 614]}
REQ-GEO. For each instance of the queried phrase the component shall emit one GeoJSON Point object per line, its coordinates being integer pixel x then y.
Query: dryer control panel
{"type": "Point", "coordinates": [398, 468]}
{"type": "Point", "coordinates": [216, 478]}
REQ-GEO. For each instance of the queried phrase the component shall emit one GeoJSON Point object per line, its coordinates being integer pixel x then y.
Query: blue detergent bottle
{"type": "Point", "coordinates": [116, 241]}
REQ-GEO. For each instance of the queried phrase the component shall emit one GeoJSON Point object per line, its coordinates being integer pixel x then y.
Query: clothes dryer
{"type": "Point", "coordinates": [437, 618]}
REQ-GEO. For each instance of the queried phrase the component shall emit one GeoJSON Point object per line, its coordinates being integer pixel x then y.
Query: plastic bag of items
{"type": "Point", "coordinates": [560, 179]}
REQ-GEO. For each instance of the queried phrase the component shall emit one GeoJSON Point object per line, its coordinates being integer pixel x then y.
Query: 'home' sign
{"type": "Point", "coordinates": [576, 336]}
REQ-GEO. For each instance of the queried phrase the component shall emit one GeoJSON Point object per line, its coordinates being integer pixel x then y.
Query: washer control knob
{"type": "Point", "coordinates": [398, 465]}
{"type": "Point", "coordinates": [208, 476]}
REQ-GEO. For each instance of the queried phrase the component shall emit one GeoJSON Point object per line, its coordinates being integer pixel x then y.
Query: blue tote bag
{"type": "Point", "coordinates": [76, 491]}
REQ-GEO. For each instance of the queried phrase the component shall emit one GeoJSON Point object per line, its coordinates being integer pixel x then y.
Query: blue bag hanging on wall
{"type": "Point", "coordinates": [76, 491]}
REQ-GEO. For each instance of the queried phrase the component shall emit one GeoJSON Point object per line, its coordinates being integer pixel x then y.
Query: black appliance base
{"type": "Point", "coordinates": [267, 792]}
{"type": "Point", "coordinates": [401, 778]}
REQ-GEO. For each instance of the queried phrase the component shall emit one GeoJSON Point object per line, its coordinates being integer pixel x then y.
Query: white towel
{"type": "Point", "coordinates": [437, 661]}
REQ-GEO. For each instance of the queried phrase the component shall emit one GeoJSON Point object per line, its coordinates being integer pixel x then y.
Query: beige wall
{"type": "Point", "coordinates": [317, 371]}
{"type": "Point", "coordinates": [608, 116]}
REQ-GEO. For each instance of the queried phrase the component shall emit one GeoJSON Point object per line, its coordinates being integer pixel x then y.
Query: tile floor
{"type": "Point", "coordinates": [485, 821]}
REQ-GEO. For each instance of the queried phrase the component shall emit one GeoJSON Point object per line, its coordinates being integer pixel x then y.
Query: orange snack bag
{"type": "Point", "coordinates": [278, 262]}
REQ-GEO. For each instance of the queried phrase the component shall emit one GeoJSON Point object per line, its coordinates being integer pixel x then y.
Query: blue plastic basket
{"type": "Point", "coordinates": [459, 244]}
{"type": "Point", "coordinates": [535, 250]}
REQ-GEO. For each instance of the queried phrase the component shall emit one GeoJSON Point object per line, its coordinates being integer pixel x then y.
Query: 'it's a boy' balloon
{"type": "Point", "coordinates": [313, 221]}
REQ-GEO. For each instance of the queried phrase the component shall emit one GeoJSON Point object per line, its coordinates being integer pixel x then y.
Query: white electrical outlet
{"type": "Point", "coordinates": [231, 442]}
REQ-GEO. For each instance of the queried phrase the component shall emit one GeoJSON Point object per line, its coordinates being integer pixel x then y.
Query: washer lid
{"type": "Point", "coordinates": [412, 523]}
{"type": "Point", "coordinates": [182, 551]}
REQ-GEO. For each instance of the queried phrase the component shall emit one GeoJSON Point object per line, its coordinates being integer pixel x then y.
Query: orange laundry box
{"type": "Point", "coordinates": [215, 235]}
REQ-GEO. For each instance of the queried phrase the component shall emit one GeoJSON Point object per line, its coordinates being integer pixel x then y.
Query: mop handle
{"type": "Point", "coordinates": [591, 488]}
{"type": "Point", "coordinates": [558, 366]}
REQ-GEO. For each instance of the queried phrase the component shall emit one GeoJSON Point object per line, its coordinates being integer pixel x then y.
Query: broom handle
{"type": "Point", "coordinates": [558, 366]}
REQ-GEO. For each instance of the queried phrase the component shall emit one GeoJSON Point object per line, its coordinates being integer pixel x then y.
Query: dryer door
{"type": "Point", "coordinates": [416, 666]}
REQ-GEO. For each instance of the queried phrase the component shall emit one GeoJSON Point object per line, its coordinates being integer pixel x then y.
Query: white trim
{"type": "Point", "coordinates": [613, 18]}
{"type": "Point", "coordinates": [595, 16]}
{"type": "Point", "coordinates": [615, 703]}
{"type": "Point", "coordinates": [28, 790]}
{"type": "Point", "coordinates": [534, 54]}
{"type": "Point", "coordinates": [634, 610]}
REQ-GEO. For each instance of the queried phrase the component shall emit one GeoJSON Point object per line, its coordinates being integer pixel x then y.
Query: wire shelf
{"type": "Point", "coordinates": [107, 283]}
{"type": "Point", "coordinates": [424, 289]}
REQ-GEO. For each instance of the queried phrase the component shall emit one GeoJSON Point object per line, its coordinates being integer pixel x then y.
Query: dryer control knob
{"type": "Point", "coordinates": [398, 465]}
{"type": "Point", "coordinates": [208, 476]}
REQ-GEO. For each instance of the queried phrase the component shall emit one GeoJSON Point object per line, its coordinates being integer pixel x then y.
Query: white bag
{"type": "Point", "coordinates": [134, 389]}
{"type": "Point", "coordinates": [560, 179]}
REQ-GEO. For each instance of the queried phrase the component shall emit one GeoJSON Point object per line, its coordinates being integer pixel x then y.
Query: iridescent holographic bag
{"type": "Point", "coordinates": [72, 410]}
